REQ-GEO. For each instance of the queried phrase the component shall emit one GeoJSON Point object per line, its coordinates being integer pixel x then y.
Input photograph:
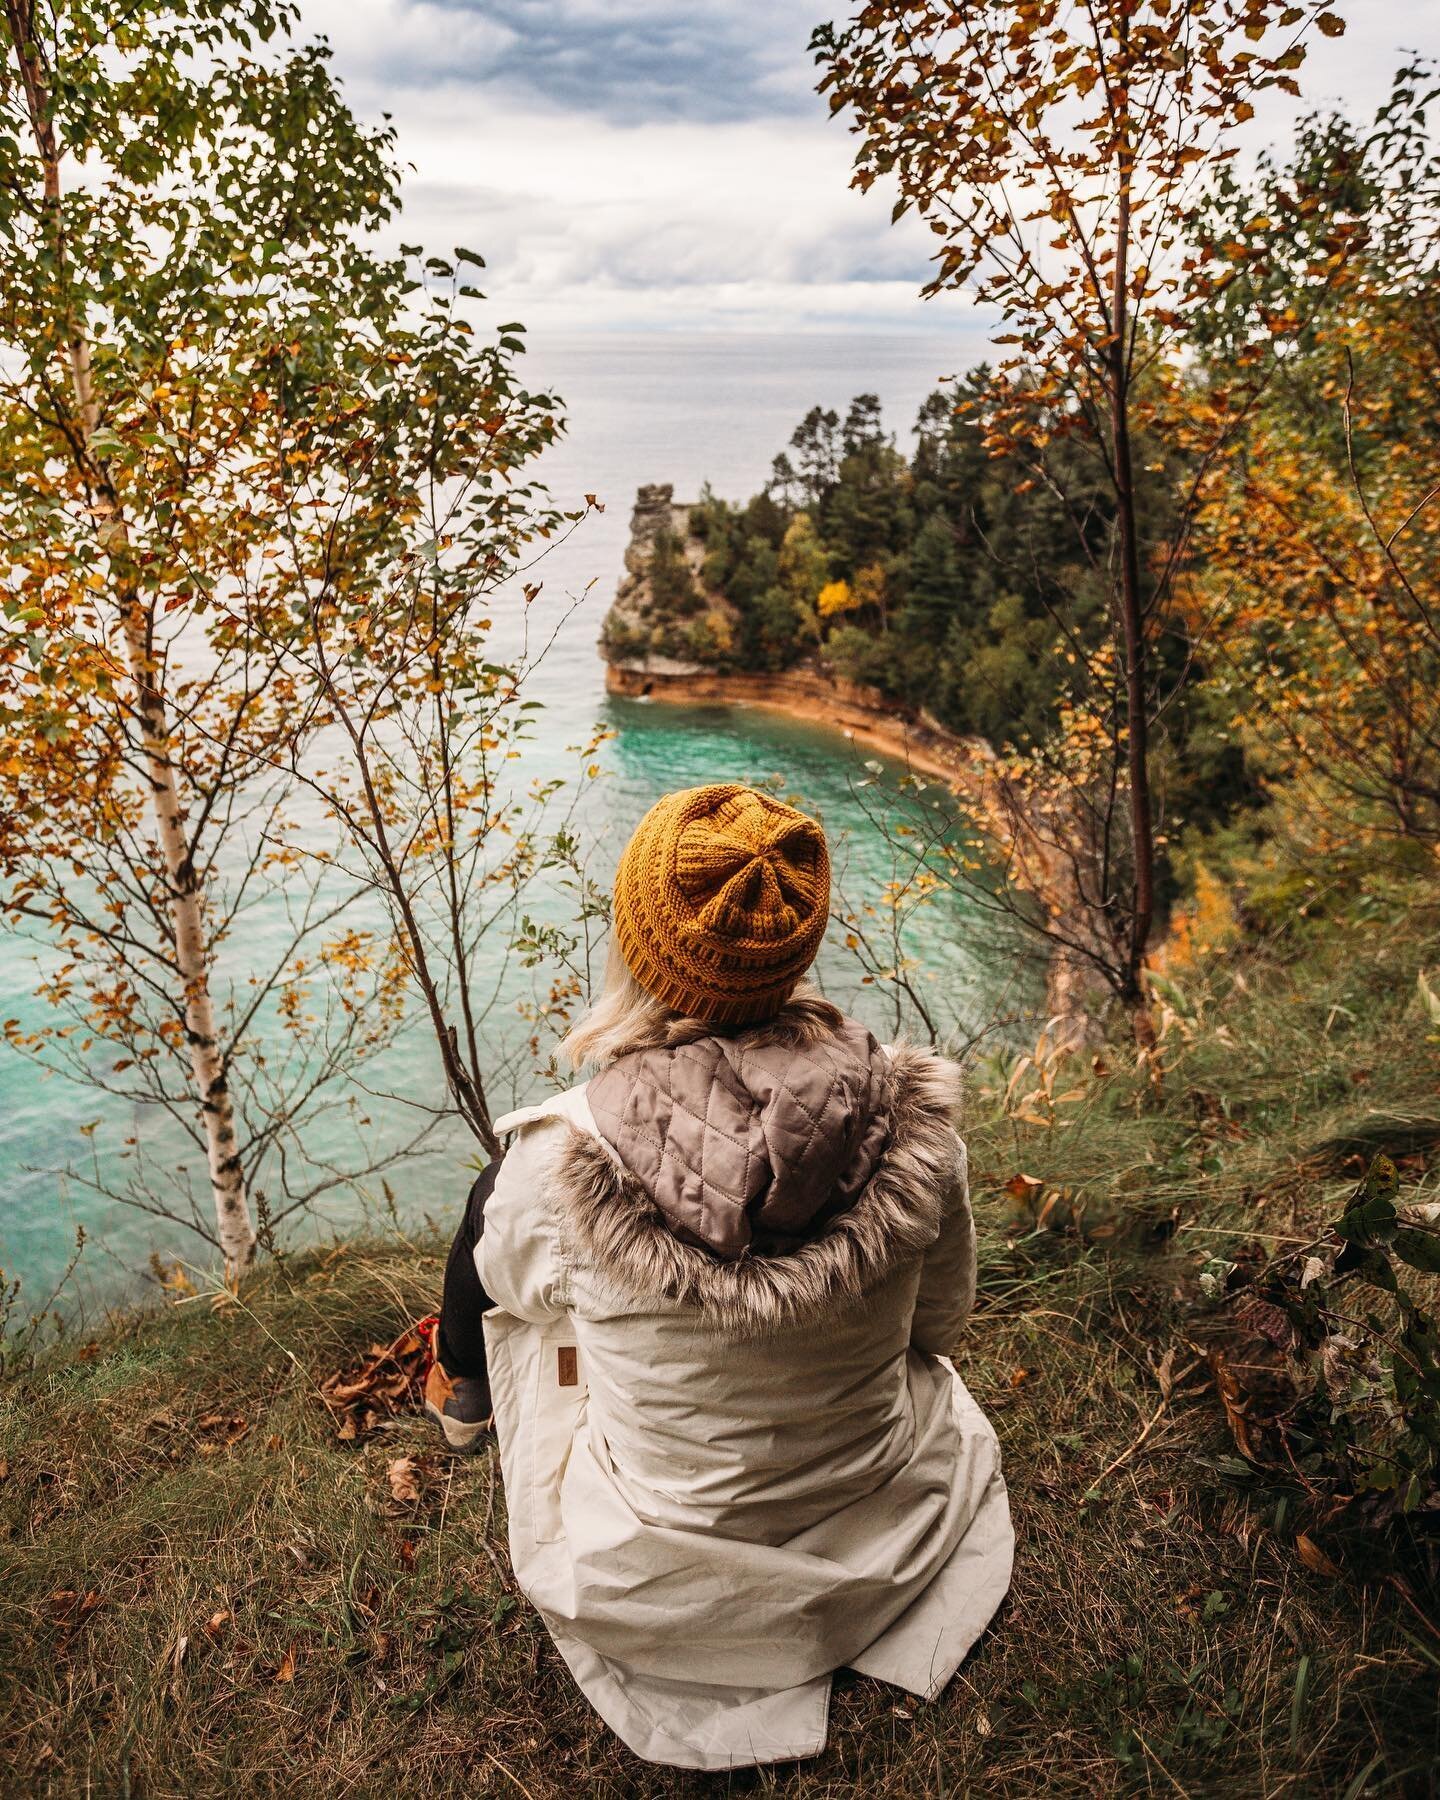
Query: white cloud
{"type": "Point", "coordinates": [633, 163]}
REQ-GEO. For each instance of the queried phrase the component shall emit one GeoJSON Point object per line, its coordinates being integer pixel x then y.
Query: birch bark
{"type": "Point", "coordinates": [235, 1229]}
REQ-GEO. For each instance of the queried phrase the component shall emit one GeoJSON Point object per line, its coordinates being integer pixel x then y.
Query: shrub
{"type": "Point", "coordinates": [1331, 1378]}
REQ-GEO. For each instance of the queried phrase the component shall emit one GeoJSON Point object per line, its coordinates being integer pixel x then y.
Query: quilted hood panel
{"type": "Point", "coordinates": [748, 1144]}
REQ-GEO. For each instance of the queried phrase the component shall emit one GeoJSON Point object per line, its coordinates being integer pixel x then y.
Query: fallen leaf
{"type": "Point", "coordinates": [63, 1600]}
{"type": "Point", "coordinates": [1047, 1207]}
{"type": "Point", "coordinates": [1313, 1556]}
{"type": "Point", "coordinates": [385, 1384]}
{"type": "Point", "coordinates": [286, 1671]}
{"type": "Point", "coordinates": [1232, 1399]}
{"type": "Point", "coordinates": [227, 1428]}
{"type": "Point", "coordinates": [404, 1477]}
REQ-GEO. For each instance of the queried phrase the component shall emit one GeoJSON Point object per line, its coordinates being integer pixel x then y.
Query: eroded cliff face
{"type": "Point", "coordinates": [664, 620]}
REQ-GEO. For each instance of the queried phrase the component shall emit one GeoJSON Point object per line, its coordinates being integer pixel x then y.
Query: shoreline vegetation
{"type": "Point", "coordinates": [671, 636]}
{"type": "Point", "coordinates": [813, 697]}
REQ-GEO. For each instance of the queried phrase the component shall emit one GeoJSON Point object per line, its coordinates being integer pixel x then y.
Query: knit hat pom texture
{"type": "Point", "coordinates": [721, 900]}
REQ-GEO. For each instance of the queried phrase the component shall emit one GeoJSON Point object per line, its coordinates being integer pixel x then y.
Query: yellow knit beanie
{"type": "Point", "coordinates": [721, 900]}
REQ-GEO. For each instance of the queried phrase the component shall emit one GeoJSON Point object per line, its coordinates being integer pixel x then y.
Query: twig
{"type": "Point", "coordinates": [1158, 1764]}
{"type": "Point", "coordinates": [1167, 1387]}
{"type": "Point", "coordinates": [511, 1773]}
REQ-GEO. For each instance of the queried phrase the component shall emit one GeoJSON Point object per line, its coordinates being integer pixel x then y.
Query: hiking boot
{"type": "Point", "coordinates": [459, 1405]}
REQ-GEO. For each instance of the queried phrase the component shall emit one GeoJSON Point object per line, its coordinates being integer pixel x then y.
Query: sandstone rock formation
{"type": "Point", "coordinates": [663, 619]}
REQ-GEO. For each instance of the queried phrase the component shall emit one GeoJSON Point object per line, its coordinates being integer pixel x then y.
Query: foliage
{"type": "Point", "coordinates": [1319, 540]}
{"type": "Point", "coordinates": [1331, 1388]}
{"type": "Point", "coordinates": [1053, 152]}
{"type": "Point", "coordinates": [155, 330]}
{"type": "Point", "coordinates": [671, 583]}
{"type": "Point", "coordinates": [257, 480]}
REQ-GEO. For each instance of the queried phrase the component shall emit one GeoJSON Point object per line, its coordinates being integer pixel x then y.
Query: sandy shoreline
{"type": "Point", "coordinates": [861, 714]}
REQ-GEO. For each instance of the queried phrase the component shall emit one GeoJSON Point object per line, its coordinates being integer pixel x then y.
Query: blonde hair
{"type": "Point", "coordinates": [626, 1018]}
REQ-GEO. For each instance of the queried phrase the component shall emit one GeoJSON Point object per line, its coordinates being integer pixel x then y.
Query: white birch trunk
{"type": "Point", "coordinates": [235, 1228]}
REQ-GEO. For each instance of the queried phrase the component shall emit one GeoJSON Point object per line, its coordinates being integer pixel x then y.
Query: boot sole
{"type": "Point", "coordinates": [462, 1438]}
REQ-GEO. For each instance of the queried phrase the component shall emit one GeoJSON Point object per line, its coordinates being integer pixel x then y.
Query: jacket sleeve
{"type": "Point", "coordinates": [947, 1276]}
{"type": "Point", "coordinates": [518, 1257]}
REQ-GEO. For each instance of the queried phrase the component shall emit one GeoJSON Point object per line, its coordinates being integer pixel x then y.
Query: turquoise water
{"type": "Point", "coordinates": [642, 409]}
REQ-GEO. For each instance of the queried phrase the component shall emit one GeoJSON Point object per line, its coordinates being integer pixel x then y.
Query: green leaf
{"type": "Point", "coordinates": [1371, 1212]}
{"type": "Point", "coordinates": [1370, 1265]}
{"type": "Point", "coordinates": [1418, 1249]}
{"type": "Point", "coordinates": [1298, 1699]}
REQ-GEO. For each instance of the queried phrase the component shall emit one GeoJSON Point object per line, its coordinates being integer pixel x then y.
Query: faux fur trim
{"type": "Point", "coordinates": [897, 1215]}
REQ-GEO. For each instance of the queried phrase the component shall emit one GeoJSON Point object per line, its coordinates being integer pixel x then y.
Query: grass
{"type": "Point", "coordinates": [203, 1591]}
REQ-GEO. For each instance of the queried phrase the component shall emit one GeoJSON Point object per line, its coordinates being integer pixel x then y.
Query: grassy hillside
{"type": "Point", "coordinates": [204, 1590]}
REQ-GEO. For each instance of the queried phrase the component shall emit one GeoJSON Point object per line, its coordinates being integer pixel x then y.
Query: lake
{"type": "Point", "coordinates": [677, 408]}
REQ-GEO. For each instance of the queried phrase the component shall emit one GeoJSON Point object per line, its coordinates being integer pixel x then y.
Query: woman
{"type": "Point", "coordinates": [719, 1282]}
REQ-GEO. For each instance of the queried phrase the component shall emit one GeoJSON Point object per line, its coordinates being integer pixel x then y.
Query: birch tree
{"type": "Point", "coordinates": [215, 430]}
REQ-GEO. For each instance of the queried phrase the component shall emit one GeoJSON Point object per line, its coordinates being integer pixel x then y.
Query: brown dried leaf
{"type": "Point", "coordinates": [404, 1476]}
{"type": "Point", "coordinates": [385, 1384]}
{"type": "Point", "coordinates": [1232, 1399]}
{"type": "Point", "coordinates": [1313, 1556]}
{"type": "Point", "coordinates": [1266, 1320]}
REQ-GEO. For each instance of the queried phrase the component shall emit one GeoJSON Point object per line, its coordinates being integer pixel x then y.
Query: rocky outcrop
{"type": "Point", "coordinates": [664, 620]}
{"type": "Point", "coordinates": [647, 655]}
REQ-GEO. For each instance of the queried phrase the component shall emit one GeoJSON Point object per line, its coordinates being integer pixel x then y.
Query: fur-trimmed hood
{"type": "Point", "coordinates": [768, 1177]}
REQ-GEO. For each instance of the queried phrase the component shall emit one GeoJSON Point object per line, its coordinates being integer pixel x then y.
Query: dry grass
{"type": "Point", "coordinates": [202, 1591]}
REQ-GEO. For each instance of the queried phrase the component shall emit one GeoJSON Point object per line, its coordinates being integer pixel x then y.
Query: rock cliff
{"type": "Point", "coordinates": [664, 619]}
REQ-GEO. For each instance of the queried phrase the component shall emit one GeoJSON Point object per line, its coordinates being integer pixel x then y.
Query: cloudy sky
{"type": "Point", "coordinates": [642, 163]}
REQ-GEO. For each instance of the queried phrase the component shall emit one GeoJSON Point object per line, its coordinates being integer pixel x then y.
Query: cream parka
{"type": "Point", "coordinates": [728, 1478]}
